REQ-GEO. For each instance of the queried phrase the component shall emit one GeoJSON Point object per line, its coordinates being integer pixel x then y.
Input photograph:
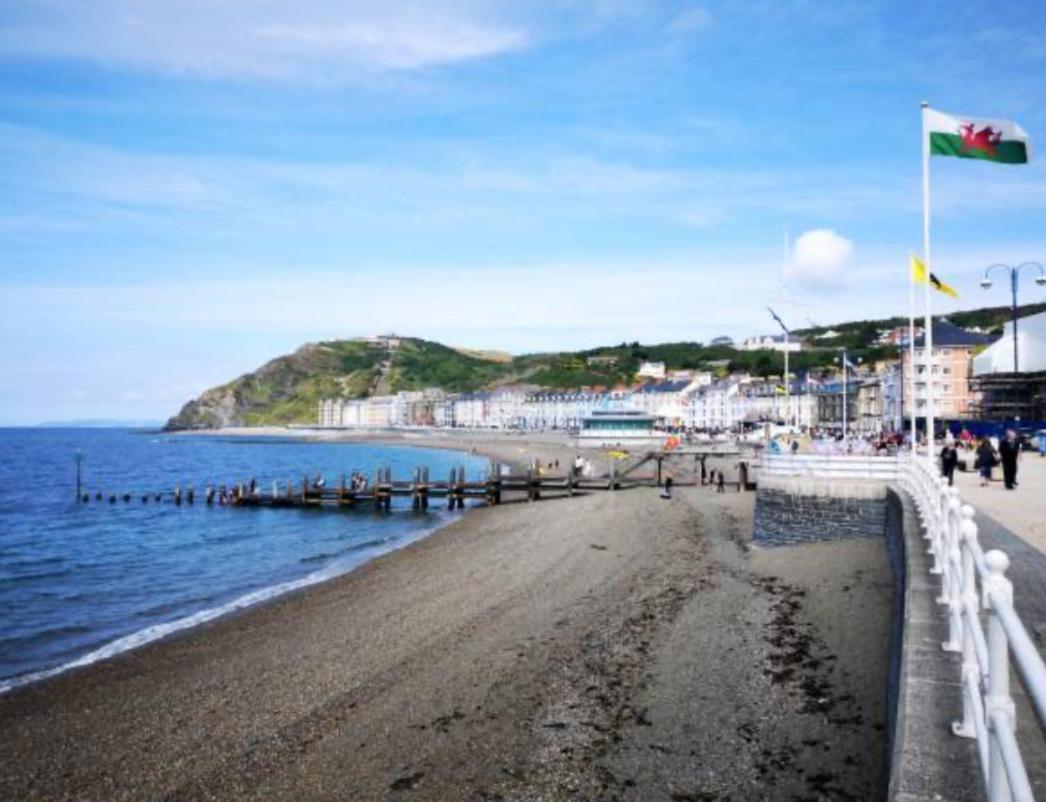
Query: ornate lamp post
{"type": "Point", "coordinates": [1014, 271]}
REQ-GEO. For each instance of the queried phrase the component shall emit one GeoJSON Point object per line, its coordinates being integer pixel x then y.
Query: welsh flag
{"type": "Point", "coordinates": [969, 138]}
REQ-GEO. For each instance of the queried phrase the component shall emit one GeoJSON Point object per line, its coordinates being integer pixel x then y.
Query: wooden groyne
{"type": "Point", "coordinates": [376, 491]}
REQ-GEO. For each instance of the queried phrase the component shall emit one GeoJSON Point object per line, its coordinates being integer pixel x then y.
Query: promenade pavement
{"type": "Point", "coordinates": [1022, 510]}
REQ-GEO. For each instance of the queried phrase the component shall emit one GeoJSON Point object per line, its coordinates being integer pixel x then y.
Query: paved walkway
{"type": "Point", "coordinates": [1022, 510]}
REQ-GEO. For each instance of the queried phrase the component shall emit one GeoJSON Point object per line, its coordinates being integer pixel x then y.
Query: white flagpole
{"type": "Point", "coordinates": [911, 353]}
{"type": "Point", "coordinates": [787, 383]}
{"type": "Point", "coordinates": [928, 335]}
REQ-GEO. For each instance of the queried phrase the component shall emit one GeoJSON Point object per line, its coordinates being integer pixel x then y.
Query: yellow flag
{"type": "Point", "coordinates": [919, 277]}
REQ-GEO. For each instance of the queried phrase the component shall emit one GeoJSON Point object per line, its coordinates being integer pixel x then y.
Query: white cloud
{"type": "Point", "coordinates": [818, 257]}
{"type": "Point", "coordinates": [322, 41]}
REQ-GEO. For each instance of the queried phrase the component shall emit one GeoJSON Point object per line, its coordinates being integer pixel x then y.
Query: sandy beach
{"type": "Point", "coordinates": [611, 646]}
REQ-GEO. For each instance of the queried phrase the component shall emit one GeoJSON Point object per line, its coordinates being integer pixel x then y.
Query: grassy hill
{"type": "Point", "coordinates": [288, 388]}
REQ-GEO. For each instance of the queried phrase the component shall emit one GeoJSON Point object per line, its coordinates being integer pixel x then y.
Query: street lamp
{"type": "Point", "coordinates": [986, 283]}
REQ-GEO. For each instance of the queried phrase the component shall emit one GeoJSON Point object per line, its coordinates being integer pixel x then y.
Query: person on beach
{"type": "Point", "coordinates": [667, 492]}
{"type": "Point", "coordinates": [720, 483]}
{"type": "Point", "coordinates": [1009, 454]}
{"type": "Point", "coordinates": [949, 459]}
{"type": "Point", "coordinates": [985, 460]}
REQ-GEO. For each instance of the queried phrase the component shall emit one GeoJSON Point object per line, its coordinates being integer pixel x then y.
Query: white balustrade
{"type": "Point", "coordinates": [983, 626]}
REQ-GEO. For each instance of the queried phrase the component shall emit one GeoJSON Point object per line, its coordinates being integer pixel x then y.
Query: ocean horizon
{"type": "Point", "coordinates": [82, 582]}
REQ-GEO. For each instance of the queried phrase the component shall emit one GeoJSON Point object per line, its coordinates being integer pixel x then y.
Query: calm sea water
{"type": "Point", "coordinates": [81, 582]}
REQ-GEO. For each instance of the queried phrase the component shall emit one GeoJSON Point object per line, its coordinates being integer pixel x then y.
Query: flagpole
{"type": "Point", "coordinates": [928, 335]}
{"type": "Point", "coordinates": [911, 356]}
{"type": "Point", "coordinates": [787, 384]}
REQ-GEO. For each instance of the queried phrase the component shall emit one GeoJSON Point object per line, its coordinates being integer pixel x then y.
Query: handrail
{"type": "Point", "coordinates": [984, 626]}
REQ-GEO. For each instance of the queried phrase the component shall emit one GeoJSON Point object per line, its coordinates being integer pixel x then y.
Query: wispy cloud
{"type": "Point", "coordinates": [321, 41]}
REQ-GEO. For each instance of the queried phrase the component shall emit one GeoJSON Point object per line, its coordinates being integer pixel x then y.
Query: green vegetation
{"type": "Point", "coordinates": [418, 364]}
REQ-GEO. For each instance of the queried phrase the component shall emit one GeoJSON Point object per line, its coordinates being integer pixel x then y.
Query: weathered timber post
{"type": "Point", "coordinates": [659, 459]}
{"type": "Point", "coordinates": [79, 469]}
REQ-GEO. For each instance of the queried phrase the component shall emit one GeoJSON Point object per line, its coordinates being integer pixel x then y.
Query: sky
{"type": "Point", "coordinates": [190, 189]}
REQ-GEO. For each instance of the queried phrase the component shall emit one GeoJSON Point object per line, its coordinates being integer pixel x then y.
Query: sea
{"type": "Point", "coordinates": [82, 582]}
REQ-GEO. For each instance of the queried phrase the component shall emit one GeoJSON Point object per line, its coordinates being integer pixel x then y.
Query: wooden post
{"type": "Point", "coordinates": [79, 466]}
{"type": "Point", "coordinates": [659, 470]}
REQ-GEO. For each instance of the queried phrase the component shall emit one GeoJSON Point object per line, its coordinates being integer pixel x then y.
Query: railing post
{"type": "Point", "coordinates": [998, 704]}
{"type": "Point", "coordinates": [936, 523]}
{"type": "Point", "coordinates": [971, 668]}
{"type": "Point", "coordinates": [952, 585]}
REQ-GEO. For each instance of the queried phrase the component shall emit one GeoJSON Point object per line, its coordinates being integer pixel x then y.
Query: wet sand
{"type": "Point", "coordinates": [611, 646]}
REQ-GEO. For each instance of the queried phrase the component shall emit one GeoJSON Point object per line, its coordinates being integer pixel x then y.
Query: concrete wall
{"type": "Point", "coordinates": [928, 763]}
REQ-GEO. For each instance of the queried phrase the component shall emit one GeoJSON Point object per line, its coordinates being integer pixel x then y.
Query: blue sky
{"type": "Point", "coordinates": [188, 189]}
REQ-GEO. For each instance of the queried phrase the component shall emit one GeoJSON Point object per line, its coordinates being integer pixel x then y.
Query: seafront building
{"type": "Point", "coordinates": [877, 398]}
{"type": "Point", "coordinates": [953, 396]}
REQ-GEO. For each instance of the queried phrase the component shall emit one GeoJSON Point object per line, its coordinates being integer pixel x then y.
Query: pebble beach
{"type": "Point", "coordinates": [609, 646]}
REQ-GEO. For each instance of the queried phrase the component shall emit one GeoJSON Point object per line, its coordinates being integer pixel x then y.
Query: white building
{"type": "Point", "coordinates": [771, 343]}
{"type": "Point", "coordinates": [652, 370]}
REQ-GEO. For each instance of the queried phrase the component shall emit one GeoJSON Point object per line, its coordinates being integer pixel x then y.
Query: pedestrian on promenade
{"type": "Point", "coordinates": [985, 460]}
{"type": "Point", "coordinates": [1009, 453]}
{"type": "Point", "coordinates": [949, 459]}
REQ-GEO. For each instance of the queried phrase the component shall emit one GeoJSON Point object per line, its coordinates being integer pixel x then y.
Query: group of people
{"type": "Point", "coordinates": [1008, 453]}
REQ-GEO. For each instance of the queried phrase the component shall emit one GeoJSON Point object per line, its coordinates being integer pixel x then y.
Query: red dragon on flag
{"type": "Point", "coordinates": [984, 140]}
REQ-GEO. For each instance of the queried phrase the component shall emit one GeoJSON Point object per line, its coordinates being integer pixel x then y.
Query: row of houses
{"type": "Point", "coordinates": [871, 398]}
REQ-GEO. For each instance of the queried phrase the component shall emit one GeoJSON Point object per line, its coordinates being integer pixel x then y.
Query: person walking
{"type": "Point", "coordinates": [949, 459]}
{"type": "Point", "coordinates": [1009, 453]}
{"type": "Point", "coordinates": [985, 460]}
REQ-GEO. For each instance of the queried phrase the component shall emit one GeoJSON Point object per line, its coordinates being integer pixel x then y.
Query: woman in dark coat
{"type": "Point", "coordinates": [985, 460]}
{"type": "Point", "coordinates": [949, 459]}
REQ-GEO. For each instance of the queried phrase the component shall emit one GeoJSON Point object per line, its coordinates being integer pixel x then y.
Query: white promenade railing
{"type": "Point", "coordinates": [830, 466]}
{"type": "Point", "coordinates": [978, 597]}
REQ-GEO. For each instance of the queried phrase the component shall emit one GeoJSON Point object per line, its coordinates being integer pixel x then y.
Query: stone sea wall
{"type": "Point", "coordinates": [801, 511]}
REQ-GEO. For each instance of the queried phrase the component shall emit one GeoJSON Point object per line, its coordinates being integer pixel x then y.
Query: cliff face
{"type": "Point", "coordinates": [286, 389]}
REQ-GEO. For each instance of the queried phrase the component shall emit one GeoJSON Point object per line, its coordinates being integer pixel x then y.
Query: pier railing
{"type": "Point", "coordinates": [983, 625]}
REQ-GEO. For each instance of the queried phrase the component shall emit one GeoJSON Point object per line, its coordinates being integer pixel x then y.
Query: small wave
{"type": "Point", "coordinates": [157, 631]}
{"type": "Point", "coordinates": [17, 578]}
{"type": "Point", "coordinates": [329, 555]}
